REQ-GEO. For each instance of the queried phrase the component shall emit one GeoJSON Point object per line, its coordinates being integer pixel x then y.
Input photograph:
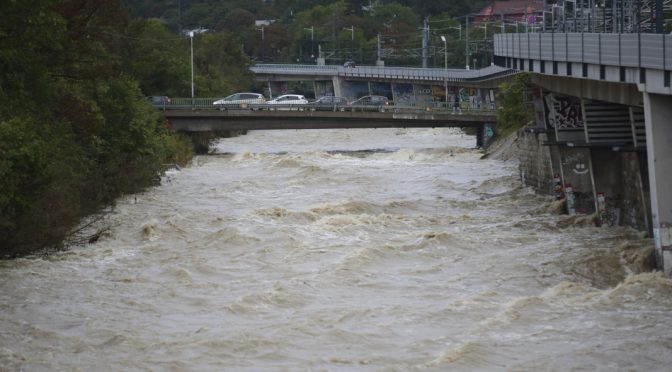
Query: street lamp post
{"type": "Point", "coordinates": [311, 29]}
{"type": "Point", "coordinates": [191, 37]}
{"type": "Point", "coordinates": [445, 68]}
{"type": "Point", "coordinates": [352, 39]}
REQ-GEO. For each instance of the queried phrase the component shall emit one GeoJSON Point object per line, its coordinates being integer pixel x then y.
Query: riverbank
{"type": "Point", "coordinates": [535, 165]}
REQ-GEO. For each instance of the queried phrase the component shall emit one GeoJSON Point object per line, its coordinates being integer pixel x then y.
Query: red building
{"type": "Point", "coordinates": [511, 11]}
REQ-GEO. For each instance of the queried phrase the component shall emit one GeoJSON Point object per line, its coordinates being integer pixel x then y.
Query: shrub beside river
{"type": "Point", "coordinates": [76, 130]}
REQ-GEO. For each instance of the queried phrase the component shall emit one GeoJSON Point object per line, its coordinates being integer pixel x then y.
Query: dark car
{"type": "Point", "coordinates": [159, 100]}
{"type": "Point", "coordinates": [371, 103]}
{"type": "Point", "coordinates": [329, 103]}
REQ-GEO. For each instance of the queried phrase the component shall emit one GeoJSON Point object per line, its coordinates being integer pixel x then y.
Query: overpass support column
{"type": "Point", "coordinates": [480, 134]}
{"type": "Point", "coordinates": [337, 86]}
{"type": "Point", "coordinates": [657, 111]}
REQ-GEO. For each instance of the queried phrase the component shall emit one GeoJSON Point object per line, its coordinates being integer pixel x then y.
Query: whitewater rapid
{"type": "Point", "coordinates": [340, 250]}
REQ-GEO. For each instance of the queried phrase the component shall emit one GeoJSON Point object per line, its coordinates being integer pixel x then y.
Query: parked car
{"type": "Point", "coordinates": [288, 102]}
{"type": "Point", "coordinates": [159, 100]}
{"type": "Point", "coordinates": [240, 100]}
{"type": "Point", "coordinates": [371, 103]}
{"type": "Point", "coordinates": [329, 103]}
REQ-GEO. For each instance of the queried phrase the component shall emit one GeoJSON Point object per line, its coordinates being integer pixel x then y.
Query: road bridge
{"type": "Point", "coordinates": [603, 106]}
{"type": "Point", "coordinates": [185, 118]}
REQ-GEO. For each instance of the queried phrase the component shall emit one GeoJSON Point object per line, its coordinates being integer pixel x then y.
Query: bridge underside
{"type": "Point", "coordinates": [620, 93]}
{"type": "Point", "coordinates": [199, 121]}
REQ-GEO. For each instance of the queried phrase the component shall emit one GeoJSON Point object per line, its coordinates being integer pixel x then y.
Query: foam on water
{"type": "Point", "coordinates": [340, 250]}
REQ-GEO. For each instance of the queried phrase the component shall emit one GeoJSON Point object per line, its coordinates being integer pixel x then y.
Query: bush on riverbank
{"type": "Point", "coordinates": [76, 131]}
{"type": "Point", "coordinates": [57, 168]}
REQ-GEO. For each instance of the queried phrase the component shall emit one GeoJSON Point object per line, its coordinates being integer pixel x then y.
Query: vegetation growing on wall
{"type": "Point", "coordinates": [515, 106]}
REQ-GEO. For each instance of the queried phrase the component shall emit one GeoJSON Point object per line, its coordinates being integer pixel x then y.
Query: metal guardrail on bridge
{"type": "Point", "coordinates": [383, 72]}
{"type": "Point", "coordinates": [436, 107]}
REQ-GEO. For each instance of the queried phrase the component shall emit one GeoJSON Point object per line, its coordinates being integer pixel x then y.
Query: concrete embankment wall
{"type": "Point", "coordinates": [614, 186]}
{"type": "Point", "coordinates": [535, 161]}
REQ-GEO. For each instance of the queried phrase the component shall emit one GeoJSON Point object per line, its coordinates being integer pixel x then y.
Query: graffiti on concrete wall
{"type": "Point", "coordinates": [576, 172]}
{"type": "Point", "coordinates": [489, 132]}
{"type": "Point", "coordinates": [563, 112]}
{"type": "Point", "coordinates": [324, 88]}
{"type": "Point", "coordinates": [403, 94]}
{"type": "Point", "coordinates": [576, 163]}
{"type": "Point", "coordinates": [354, 89]}
{"type": "Point", "coordinates": [439, 94]}
{"type": "Point", "coordinates": [423, 95]}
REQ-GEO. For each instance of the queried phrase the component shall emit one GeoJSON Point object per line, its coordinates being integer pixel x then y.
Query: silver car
{"type": "Point", "coordinates": [288, 102]}
{"type": "Point", "coordinates": [240, 100]}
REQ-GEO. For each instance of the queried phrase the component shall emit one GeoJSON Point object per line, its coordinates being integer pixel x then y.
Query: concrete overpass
{"type": "Point", "coordinates": [410, 87]}
{"type": "Point", "coordinates": [606, 104]}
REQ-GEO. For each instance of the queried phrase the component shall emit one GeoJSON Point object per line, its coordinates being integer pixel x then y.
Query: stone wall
{"type": "Point", "coordinates": [535, 161]}
{"type": "Point", "coordinates": [536, 169]}
{"type": "Point", "coordinates": [621, 177]}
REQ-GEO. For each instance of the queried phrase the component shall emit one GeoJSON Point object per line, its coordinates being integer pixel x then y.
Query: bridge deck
{"type": "Point", "coordinates": [266, 71]}
{"type": "Point", "coordinates": [210, 120]}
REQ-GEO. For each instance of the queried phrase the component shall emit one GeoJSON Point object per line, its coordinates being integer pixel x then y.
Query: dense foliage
{"type": "Point", "coordinates": [515, 105]}
{"type": "Point", "coordinates": [75, 128]}
{"type": "Point", "coordinates": [343, 29]}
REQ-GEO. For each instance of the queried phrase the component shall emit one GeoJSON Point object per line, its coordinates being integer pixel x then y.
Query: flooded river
{"type": "Point", "coordinates": [367, 250]}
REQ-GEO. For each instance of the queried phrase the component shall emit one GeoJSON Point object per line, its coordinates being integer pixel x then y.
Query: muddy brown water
{"type": "Point", "coordinates": [340, 250]}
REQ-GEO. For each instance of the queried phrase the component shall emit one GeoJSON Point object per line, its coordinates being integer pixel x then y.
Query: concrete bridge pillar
{"type": "Point", "coordinates": [337, 86]}
{"type": "Point", "coordinates": [657, 114]}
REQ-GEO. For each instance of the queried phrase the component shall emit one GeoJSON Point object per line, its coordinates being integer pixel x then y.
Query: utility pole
{"type": "Point", "coordinates": [459, 29]}
{"type": "Point", "coordinates": [445, 68]}
{"type": "Point", "coordinates": [262, 43]}
{"type": "Point", "coordinates": [466, 45]}
{"type": "Point", "coordinates": [659, 12]}
{"type": "Point", "coordinates": [425, 41]}
{"type": "Point", "coordinates": [379, 61]}
{"type": "Point", "coordinates": [191, 37]}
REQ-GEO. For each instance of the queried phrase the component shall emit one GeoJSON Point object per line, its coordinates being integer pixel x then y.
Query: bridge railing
{"type": "Point", "coordinates": [384, 72]}
{"type": "Point", "coordinates": [652, 51]}
{"type": "Point", "coordinates": [287, 68]}
{"type": "Point", "coordinates": [395, 107]}
{"type": "Point", "coordinates": [195, 103]}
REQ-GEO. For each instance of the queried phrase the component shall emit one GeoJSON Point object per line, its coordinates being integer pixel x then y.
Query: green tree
{"type": "Point", "coordinates": [157, 59]}
{"type": "Point", "coordinates": [221, 66]}
{"type": "Point", "coordinates": [514, 105]}
{"type": "Point", "coordinates": [75, 129]}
